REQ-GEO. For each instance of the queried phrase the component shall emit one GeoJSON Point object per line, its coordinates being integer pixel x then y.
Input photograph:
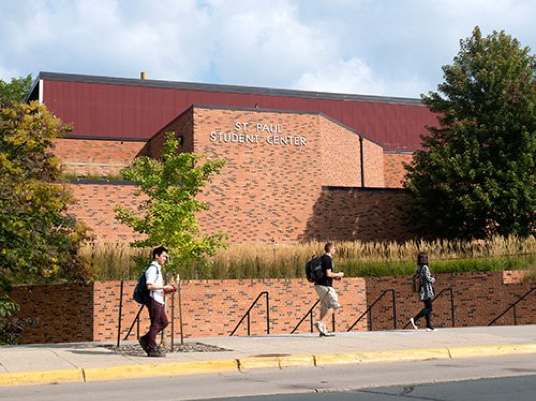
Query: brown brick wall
{"type": "Point", "coordinates": [183, 126]}
{"type": "Point", "coordinates": [347, 214]}
{"type": "Point", "coordinates": [340, 154]}
{"type": "Point", "coordinates": [265, 192]}
{"type": "Point", "coordinates": [60, 313]}
{"type": "Point", "coordinates": [96, 157]}
{"type": "Point", "coordinates": [213, 308]}
{"type": "Point", "coordinates": [337, 214]}
{"type": "Point", "coordinates": [478, 299]}
{"type": "Point", "coordinates": [373, 160]}
{"type": "Point", "coordinates": [393, 167]}
{"type": "Point", "coordinates": [95, 207]}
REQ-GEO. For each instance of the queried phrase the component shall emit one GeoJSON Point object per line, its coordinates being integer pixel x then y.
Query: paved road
{"type": "Point", "coordinates": [511, 389]}
{"type": "Point", "coordinates": [306, 381]}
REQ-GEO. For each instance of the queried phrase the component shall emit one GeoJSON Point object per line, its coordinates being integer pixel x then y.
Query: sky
{"type": "Point", "coordinates": [367, 47]}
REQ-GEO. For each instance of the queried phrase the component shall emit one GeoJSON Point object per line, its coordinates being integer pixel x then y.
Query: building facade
{"type": "Point", "coordinates": [299, 165]}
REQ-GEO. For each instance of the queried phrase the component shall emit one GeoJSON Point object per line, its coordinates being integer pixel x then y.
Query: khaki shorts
{"type": "Point", "coordinates": [328, 297]}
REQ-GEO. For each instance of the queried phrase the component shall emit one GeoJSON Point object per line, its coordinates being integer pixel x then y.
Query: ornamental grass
{"type": "Point", "coordinates": [355, 258]}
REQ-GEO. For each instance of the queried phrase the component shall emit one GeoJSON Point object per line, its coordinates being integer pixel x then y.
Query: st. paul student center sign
{"type": "Point", "coordinates": [299, 165]}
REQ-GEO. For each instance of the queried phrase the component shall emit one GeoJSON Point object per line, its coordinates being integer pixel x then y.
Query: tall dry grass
{"type": "Point", "coordinates": [115, 261]}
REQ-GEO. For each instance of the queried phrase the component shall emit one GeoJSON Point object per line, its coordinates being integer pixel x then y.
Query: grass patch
{"type": "Point", "coordinates": [355, 268]}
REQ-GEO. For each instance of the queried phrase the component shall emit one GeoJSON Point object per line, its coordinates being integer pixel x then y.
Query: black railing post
{"type": "Point", "coordinates": [311, 312]}
{"type": "Point", "coordinates": [515, 315]}
{"type": "Point", "coordinates": [394, 308]}
{"type": "Point", "coordinates": [180, 308]}
{"type": "Point", "coordinates": [267, 314]}
{"type": "Point", "coordinates": [333, 321]}
{"type": "Point", "coordinates": [452, 307]}
{"type": "Point", "coordinates": [172, 320]}
{"type": "Point", "coordinates": [120, 313]}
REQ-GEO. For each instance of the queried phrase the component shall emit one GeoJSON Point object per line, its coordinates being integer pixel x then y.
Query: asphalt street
{"type": "Point", "coordinates": [360, 380]}
{"type": "Point", "coordinates": [512, 389]}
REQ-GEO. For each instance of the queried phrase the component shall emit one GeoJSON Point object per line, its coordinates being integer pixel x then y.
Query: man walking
{"type": "Point", "coordinates": [329, 299]}
{"type": "Point", "coordinates": [156, 306]}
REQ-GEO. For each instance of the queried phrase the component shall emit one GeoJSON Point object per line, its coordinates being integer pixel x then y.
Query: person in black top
{"type": "Point", "coordinates": [329, 299]}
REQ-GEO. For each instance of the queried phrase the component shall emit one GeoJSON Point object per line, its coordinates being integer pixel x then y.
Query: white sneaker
{"type": "Point", "coordinates": [431, 329]}
{"type": "Point", "coordinates": [412, 321]}
{"type": "Point", "coordinates": [321, 329]}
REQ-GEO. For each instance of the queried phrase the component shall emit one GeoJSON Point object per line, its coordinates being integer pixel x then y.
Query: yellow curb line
{"type": "Point", "coordinates": [229, 365]}
{"type": "Point", "coordinates": [469, 352]}
{"type": "Point", "coordinates": [41, 377]}
{"type": "Point", "coordinates": [296, 360]}
{"type": "Point", "coordinates": [259, 362]}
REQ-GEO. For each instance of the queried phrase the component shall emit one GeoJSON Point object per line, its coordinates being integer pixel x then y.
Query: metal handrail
{"type": "Point", "coordinates": [452, 318]}
{"type": "Point", "coordinates": [136, 320]}
{"type": "Point", "coordinates": [247, 314]}
{"type": "Point", "coordinates": [514, 308]}
{"type": "Point", "coordinates": [311, 313]}
{"type": "Point", "coordinates": [369, 310]}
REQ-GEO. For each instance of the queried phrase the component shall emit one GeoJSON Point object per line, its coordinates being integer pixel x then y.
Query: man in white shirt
{"type": "Point", "coordinates": [156, 305]}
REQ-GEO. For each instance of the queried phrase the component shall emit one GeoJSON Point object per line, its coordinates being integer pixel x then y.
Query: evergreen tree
{"type": "Point", "coordinates": [476, 175]}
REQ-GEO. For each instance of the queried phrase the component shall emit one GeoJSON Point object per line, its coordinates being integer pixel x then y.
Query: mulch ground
{"type": "Point", "coordinates": [136, 350]}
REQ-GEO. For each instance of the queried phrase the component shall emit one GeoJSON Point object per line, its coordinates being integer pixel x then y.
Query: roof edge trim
{"type": "Point", "coordinates": [54, 76]}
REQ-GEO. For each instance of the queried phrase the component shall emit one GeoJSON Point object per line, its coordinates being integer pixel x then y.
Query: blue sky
{"type": "Point", "coordinates": [371, 47]}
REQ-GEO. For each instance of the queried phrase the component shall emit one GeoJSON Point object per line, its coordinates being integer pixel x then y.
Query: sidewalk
{"type": "Point", "coordinates": [52, 363]}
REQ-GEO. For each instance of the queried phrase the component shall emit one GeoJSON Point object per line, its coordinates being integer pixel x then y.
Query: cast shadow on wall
{"type": "Point", "coordinates": [364, 214]}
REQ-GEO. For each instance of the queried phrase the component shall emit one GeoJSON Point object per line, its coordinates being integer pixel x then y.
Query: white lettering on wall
{"type": "Point", "coordinates": [274, 135]}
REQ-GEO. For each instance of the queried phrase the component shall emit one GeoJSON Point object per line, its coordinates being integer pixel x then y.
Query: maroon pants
{"type": "Point", "coordinates": [159, 322]}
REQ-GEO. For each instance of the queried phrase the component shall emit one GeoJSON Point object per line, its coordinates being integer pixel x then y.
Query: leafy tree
{"type": "Point", "coordinates": [476, 176]}
{"type": "Point", "coordinates": [16, 90]}
{"type": "Point", "coordinates": [168, 215]}
{"type": "Point", "coordinates": [38, 239]}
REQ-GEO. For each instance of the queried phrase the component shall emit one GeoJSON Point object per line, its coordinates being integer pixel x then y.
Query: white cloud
{"type": "Point", "coordinates": [388, 47]}
{"type": "Point", "coordinates": [354, 76]}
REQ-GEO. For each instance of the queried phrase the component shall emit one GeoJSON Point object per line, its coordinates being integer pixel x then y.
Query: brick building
{"type": "Point", "coordinates": [300, 165]}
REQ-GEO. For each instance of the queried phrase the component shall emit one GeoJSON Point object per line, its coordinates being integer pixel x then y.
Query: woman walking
{"type": "Point", "coordinates": [426, 291]}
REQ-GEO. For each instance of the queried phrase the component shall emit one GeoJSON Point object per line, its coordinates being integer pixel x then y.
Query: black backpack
{"type": "Point", "coordinates": [313, 269]}
{"type": "Point", "coordinates": [141, 293]}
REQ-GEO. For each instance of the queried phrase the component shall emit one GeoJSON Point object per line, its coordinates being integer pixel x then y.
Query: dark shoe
{"type": "Point", "coordinates": [143, 343]}
{"type": "Point", "coordinates": [327, 334]}
{"type": "Point", "coordinates": [156, 354]}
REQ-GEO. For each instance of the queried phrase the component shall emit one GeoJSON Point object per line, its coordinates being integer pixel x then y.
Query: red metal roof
{"type": "Point", "coordinates": [103, 107]}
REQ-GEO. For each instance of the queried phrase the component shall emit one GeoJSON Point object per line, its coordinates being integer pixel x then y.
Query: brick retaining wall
{"type": "Point", "coordinates": [60, 313]}
{"type": "Point", "coordinates": [478, 299]}
{"type": "Point", "coordinates": [213, 308]}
